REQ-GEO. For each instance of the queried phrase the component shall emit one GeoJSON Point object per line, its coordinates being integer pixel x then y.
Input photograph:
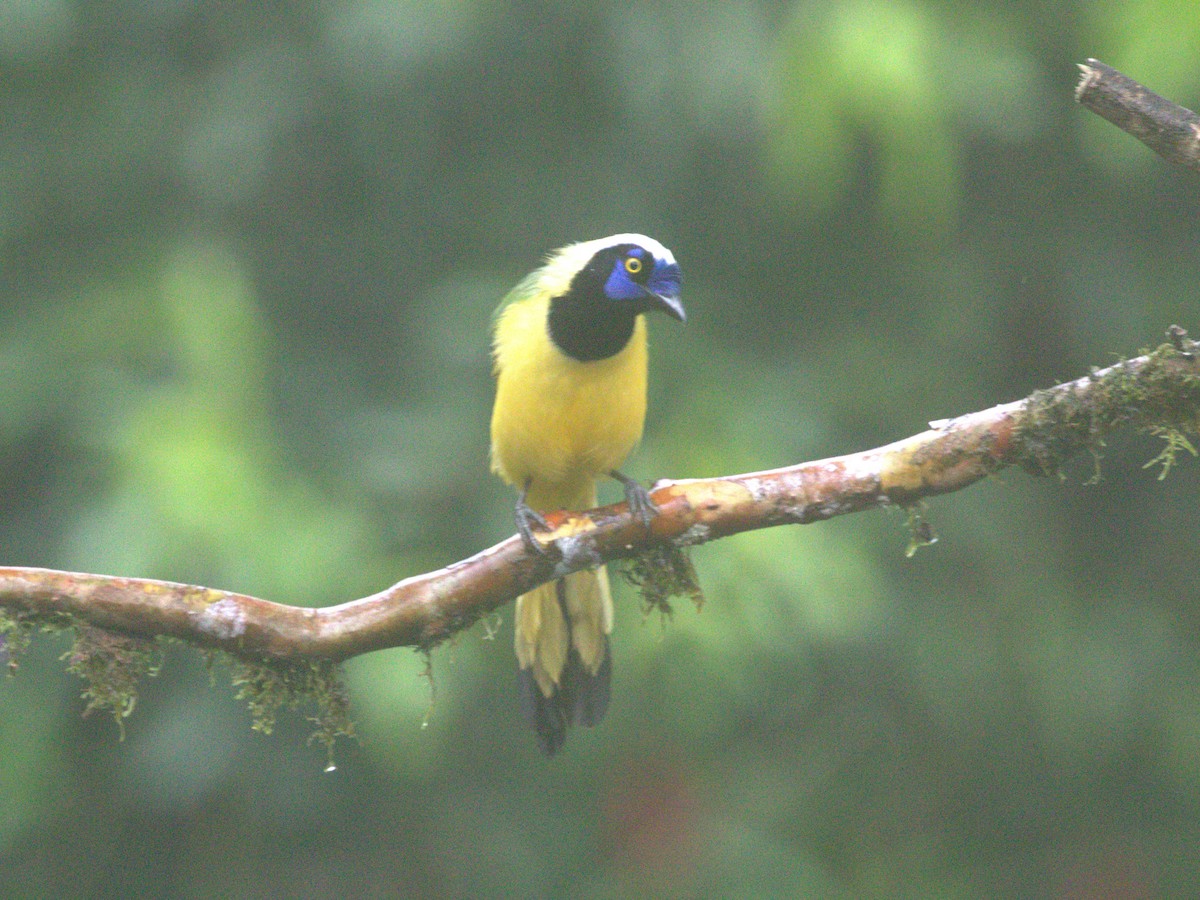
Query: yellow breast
{"type": "Point", "coordinates": [558, 421]}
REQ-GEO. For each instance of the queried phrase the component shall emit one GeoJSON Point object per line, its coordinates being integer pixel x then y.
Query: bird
{"type": "Point", "coordinates": [569, 359]}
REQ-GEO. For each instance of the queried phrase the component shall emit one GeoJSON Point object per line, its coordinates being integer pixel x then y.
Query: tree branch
{"type": "Point", "coordinates": [1170, 130]}
{"type": "Point", "coordinates": [1159, 392]}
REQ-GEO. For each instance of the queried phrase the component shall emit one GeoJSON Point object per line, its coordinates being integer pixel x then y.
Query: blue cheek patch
{"type": "Point", "coordinates": [620, 286]}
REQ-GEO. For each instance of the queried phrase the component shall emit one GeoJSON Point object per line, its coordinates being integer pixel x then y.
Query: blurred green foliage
{"type": "Point", "coordinates": [248, 255]}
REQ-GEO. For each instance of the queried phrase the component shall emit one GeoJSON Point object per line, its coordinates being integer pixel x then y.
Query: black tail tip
{"type": "Point", "coordinates": [581, 699]}
{"type": "Point", "coordinates": [542, 713]}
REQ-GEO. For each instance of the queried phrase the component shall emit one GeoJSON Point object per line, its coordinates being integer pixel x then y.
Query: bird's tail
{"type": "Point", "coordinates": [564, 665]}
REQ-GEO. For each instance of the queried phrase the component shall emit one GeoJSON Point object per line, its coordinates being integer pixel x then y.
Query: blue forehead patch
{"type": "Point", "coordinates": [665, 279]}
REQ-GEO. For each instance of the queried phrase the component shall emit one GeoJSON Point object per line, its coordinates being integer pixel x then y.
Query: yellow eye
{"type": "Point", "coordinates": [633, 265]}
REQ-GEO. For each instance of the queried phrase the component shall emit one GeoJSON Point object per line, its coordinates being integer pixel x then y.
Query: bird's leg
{"type": "Point", "coordinates": [637, 497]}
{"type": "Point", "coordinates": [529, 518]}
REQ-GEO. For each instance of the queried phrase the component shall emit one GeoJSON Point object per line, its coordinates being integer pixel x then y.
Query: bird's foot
{"type": "Point", "coordinates": [638, 498]}
{"type": "Point", "coordinates": [528, 519]}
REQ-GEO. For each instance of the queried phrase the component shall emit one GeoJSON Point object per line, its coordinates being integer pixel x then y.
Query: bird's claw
{"type": "Point", "coordinates": [528, 519]}
{"type": "Point", "coordinates": [638, 498]}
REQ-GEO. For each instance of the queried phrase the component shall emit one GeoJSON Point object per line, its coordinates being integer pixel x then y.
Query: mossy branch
{"type": "Point", "coordinates": [1157, 392]}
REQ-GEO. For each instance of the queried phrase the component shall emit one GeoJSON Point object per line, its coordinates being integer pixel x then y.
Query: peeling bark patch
{"type": "Point", "coordinates": [224, 620]}
{"type": "Point", "coordinates": [696, 534]}
{"type": "Point", "coordinates": [577, 553]}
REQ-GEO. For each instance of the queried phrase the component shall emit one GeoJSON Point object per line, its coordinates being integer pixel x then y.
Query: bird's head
{"type": "Point", "coordinates": [597, 289]}
{"type": "Point", "coordinates": [636, 272]}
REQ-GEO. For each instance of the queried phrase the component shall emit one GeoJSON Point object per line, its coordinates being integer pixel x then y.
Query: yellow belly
{"type": "Point", "coordinates": [557, 421]}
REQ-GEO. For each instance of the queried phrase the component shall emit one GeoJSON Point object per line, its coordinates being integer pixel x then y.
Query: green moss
{"type": "Point", "coordinates": [920, 532]}
{"type": "Point", "coordinates": [270, 686]}
{"type": "Point", "coordinates": [112, 664]}
{"type": "Point", "coordinates": [664, 572]}
{"type": "Point", "coordinates": [17, 628]}
{"type": "Point", "coordinates": [1175, 441]}
{"type": "Point", "coordinates": [1159, 396]}
{"type": "Point", "coordinates": [14, 638]}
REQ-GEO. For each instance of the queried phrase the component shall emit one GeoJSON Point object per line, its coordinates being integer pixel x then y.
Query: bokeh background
{"type": "Point", "coordinates": [248, 256]}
